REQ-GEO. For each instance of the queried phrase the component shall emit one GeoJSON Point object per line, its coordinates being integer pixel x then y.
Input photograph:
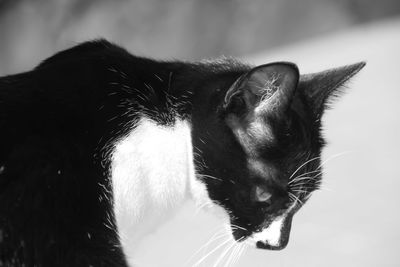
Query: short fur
{"type": "Point", "coordinates": [94, 141]}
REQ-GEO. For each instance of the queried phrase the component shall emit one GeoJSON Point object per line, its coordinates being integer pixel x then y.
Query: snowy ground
{"type": "Point", "coordinates": [355, 220]}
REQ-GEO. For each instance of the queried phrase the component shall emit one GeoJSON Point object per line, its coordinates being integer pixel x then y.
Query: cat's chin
{"type": "Point", "coordinates": [275, 236]}
{"type": "Point", "coordinates": [258, 244]}
{"type": "Point", "coordinates": [262, 245]}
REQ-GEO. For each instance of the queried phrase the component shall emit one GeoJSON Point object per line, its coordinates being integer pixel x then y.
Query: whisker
{"type": "Point", "coordinates": [301, 191]}
{"type": "Point", "coordinates": [242, 251]}
{"type": "Point", "coordinates": [318, 168]}
{"type": "Point", "coordinates": [295, 197]}
{"type": "Point", "coordinates": [212, 251]}
{"type": "Point", "coordinates": [210, 177]}
{"type": "Point", "coordinates": [324, 188]}
{"type": "Point", "coordinates": [302, 186]}
{"type": "Point", "coordinates": [200, 207]}
{"type": "Point", "coordinates": [224, 253]}
{"type": "Point", "coordinates": [308, 161]}
{"type": "Point", "coordinates": [204, 247]}
{"type": "Point", "coordinates": [232, 255]}
{"type": "Point", "coordinates": [307, 173]}
{"type": "Point", "coordinates": [305, 183]}
{"type": "Point", "coordinates": [292, 198]}
{"type": "Point", "coordinates": [334, 156]}
{"type": "Point", "coordinates": [239, 254]}
{"type": "Point", "coordinates": [304, 178]}
{"type": "Point", "coordinates": [216, 236]}
{"type": "Point", "coordinates": [304, 174]}
{"type": "Point", "coordinates": [236, 252]}
{"type": "Point", "coordinates": [239, 227]}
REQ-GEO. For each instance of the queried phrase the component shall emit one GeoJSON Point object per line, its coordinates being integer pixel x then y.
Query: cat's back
{"type": "Point", "coordinates": [59, 125]}
{"type": "Point", "coordinates": [62, 97]}
{"type": "Point", "coordinates": [54, 207]}
{"type": "Point", "coordinates": [41, 106]}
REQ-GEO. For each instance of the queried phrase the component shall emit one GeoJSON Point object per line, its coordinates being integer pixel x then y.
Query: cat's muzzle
{"type": "Point", "coordinates": [275, 236]}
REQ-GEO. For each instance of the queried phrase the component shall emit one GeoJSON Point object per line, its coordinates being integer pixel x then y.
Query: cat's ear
{"type": "Point", "coordinates": [266, 88]}
{"type": "Point", "coordinates": [322, 87]}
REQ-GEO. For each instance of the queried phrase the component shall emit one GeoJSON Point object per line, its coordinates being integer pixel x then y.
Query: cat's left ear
{"type": "Point", "coordinates": [320, 88]}
{"type": "Point", "coordinates": [266, 88]}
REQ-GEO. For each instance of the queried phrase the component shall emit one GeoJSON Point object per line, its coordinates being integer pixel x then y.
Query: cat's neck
{"type": "Point", "coordinates": [152, 167]}
{"type": "Point", "coordinates": [152, 174]}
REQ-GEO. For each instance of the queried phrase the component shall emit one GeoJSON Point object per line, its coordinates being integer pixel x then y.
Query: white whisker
{"type": "Point", "coordinates": [239, 254]}
{"type": "Point", "coordinates": [212, 251]}
{"type": "Point", "coordinates": [295, 198]}
{"type": "Point", "coordinates": [334, 156]}
{"type": "Point", "coordinates": [324, 188]}
{"type": "Point", "coordinates": [224, 253]}
{"type": "Point", "coordinates": [324, 162]}
{"type": "Point", "coordinates": [232, 255]}
{"type": "Point", "coordinates": [200, 207]}
{"type": "Point", "coordinates": [237, 226]}
{"type": "Point", "coordinates": [304, 178]}
{"type": "Point", "coordinates": [302, 186]}
{"type": "Point", "coordinates": [210, 177]}
{"type": "Point", "coordinates": [308, 161]}
{"type": "Point", "coordinates": [242, 247]}
{"type": "Point", "coordinates": [216, 236]}
{"type": "Point", "coordinates": [300, 191]}
{"type": "Point", "coordinates": [293, 180]}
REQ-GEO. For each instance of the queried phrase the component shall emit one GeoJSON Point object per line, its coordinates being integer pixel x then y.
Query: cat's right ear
{"type": "Point", "coordinates": [320, 88]}
{"type": "Point", "coordinates": [264, 89]}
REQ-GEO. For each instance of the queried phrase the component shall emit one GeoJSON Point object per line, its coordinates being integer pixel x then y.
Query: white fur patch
{"type": "Point", "coordinates": [152, 173]}
{"type": "Point", "coordinates": [271, 234]}
{"type": "Point", "coordinates": [251, 134]}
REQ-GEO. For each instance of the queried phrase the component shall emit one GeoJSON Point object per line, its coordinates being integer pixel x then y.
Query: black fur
{"type": "Point", "coordinates": [59, 121]}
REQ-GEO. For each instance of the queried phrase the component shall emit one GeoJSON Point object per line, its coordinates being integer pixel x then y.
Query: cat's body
{"type": "Point", "coordinates": [97, 146]}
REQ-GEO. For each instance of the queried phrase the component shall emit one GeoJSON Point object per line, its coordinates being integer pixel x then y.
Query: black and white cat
{"type": "Point", "coordinates": [97, 146]}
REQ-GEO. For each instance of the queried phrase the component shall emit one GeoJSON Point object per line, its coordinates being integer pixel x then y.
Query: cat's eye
{"type": "Point", "coordinates": [262, 195]}
{"type": "Point", "coordinates": [237, 103]}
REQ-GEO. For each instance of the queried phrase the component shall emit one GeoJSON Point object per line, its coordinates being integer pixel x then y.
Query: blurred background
{"type": "Point", "coordinates": [353, 220]}
{"type": "Point", "coordinates": [185, 29]}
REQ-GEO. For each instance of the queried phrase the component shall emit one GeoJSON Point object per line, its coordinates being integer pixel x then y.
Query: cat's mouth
{"type": "Point", "coordinates": [275, 236]}
{"type": "Point", "coordinates": [262, 245]}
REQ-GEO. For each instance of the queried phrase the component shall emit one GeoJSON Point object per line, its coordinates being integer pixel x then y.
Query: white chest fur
{"type": "Point", "coordinates": [152, 172]}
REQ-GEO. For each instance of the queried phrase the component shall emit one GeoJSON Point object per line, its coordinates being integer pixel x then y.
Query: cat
{"type": "Point", "coordinates": [98, 146]}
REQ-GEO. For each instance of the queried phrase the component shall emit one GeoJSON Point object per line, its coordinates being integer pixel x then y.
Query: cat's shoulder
{"type": "Point", "coordinates": [98, 48]}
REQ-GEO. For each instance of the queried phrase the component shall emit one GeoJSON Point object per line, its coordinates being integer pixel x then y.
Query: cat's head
{"type": "Point", "coordinates": [258, 145]}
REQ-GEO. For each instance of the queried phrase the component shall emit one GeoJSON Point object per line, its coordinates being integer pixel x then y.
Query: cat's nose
{"type": "Point", "coordinates": [262, 195]}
